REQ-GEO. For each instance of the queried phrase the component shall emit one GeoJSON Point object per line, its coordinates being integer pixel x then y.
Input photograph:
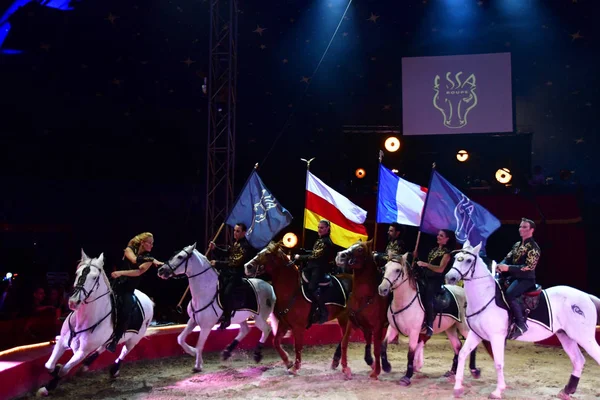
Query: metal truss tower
{"type": "Point", "coordinates": [222, 97]}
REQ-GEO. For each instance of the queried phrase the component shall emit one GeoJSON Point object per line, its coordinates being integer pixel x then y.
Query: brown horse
{"type": "Point", "coordinates": [366, 309]}
{"type": "Point", "coordinates": [292, 309]}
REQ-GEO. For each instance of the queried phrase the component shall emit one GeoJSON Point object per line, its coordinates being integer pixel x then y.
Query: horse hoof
{"type": "Point", "coordinates": [335, 363]}
{"type": "Point", "coordinates": [56, 370]}
{"type": "Point", "coordinates": [494, 396]}
{"type": "Point", "coordinates": [196, 370]}
{"type": "Point", "coordinates": [563, 395]}
{"type": "Point", "coordinates": [293, 370]}
{"type": "Point", "coordinates": [369, 361]}
{"type": "Point", "coordinates": [81, 371]}
{"type": "Point", "coordinates": [258, 357]}
{"type": "Point", "coordinates": [387, 367]}
{"type": "Point", "coordinates": [289, 365]}
{"type": "Point", "coordinates": [225, 355]}
{"type": "Point", "coordinates": [404, 381]}
{"type": "Point", "coordinates": [459, 392]}
{"type": "Point", "coordinates": [114, 370]}
{"type": "Point", "coordinates": [41, 392]}
{"type": "Point", "coordinates": [374, 376]}
{"type": "Point", "coordinates": [476, 373]}
{"type": "Point", "coordinates": [347, 373]}
{"type": "Point", "coordinates": [449, 374]}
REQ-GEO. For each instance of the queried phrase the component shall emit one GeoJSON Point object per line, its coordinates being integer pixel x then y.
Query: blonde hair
{"type": "Point", "coordinates": [138, 239]}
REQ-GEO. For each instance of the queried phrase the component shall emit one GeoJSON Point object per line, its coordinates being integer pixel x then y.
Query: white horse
{"type": "Point", "coordinates": [204, 310]}
{"type": "Point", "coordinates": [90, 326]}
{"type": "Point", "coordinates": [574, 315]}
{"type": "Point", "coordinates": [406, 314]}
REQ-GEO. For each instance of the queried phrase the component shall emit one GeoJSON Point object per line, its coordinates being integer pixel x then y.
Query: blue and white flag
{"type": "Point", "coordinates": [399, 200]}
{"type": "Point", "coordinates": [447, 207]}
{"type": "Point", "coordinates": [260, 211]}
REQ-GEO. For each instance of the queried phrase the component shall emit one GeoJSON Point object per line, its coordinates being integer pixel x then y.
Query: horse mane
{"type": "Point", "coordinates": [413, 272]}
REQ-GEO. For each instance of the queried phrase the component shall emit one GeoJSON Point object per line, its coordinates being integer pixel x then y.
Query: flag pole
{"type": "Point", "coordinates": [305, 199]}
{"type": "Point", "coordinates": [424, 207]}
{"type": "Point", "coordinates": [377, 203]}
{"type": "Point", "coordinates": [207, 252]}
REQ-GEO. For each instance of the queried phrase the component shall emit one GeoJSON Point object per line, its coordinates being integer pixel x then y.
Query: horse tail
{"type": "Point", "coordinates": [596, 302]}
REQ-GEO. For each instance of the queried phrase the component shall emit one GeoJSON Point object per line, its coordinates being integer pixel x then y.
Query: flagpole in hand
{"type": "Point", "coordinates": [377, 203]}
{"type": "Point", "coordinates": [305, 199]}
{"type": "Point", "coordinates": [415, 253]}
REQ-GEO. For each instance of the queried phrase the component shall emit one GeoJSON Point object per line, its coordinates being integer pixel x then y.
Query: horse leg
{"type": "Point", "coordinates": [78, 356]}
{"type": "Point", "coordinates": [419, 360]}
{"type": "Point", "coordinates": [204, 332]}
{"type": "Point", "coordinates": [89, 360]}
{"type": "Point", "coordinates": [368, 340]}
{"type": "Point", "coordinates": [471, 342]}
{"type": "Point", "coordinates": [456, 346]}
{"type": "Point", "coordinates": [389, 336]}
{"type": "Point", "coordinates": [345, 369]}
{"type": "Point", "coordinates": [281, 331]}
{"type": "Point", "coordinates": [59, 349]}
{"type": "Point", "coordinates": [191, 324]}
{"type": "Point", "coordinates": [266, 329]}
{"type": "Point", "coordinates": [377, 339]}
{"type": "Point", "coordinates": [475, 372]}
{"type": "Point", "coordinates": [337, 354]}
{"type": "Point", "coordinates": [498, 349]}
{"type": "Point", "coordinates": [413, 340]}
{"type": "Point", "coordinates": [298, 332]}
{"type": "Point", "coordinates": [571, 347]}
{"type": "Point", "coordinates": [127, 346]}
{"type": "Point", "coordinates": [241, 334]}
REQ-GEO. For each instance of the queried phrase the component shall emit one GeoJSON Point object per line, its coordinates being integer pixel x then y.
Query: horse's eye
{"type": "Point", "coordinates": [180, 257]}
{"type": "Point", "coordinates": [398, 270]}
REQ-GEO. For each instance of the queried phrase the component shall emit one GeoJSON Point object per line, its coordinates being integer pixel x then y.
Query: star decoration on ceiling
{"type": "Point", "coordinates": [188, 62]}
{"type": "Point", "coordinates": [259, 30]}
{"type": "Point", "coordinates": [111, 18]}
{"type": "Point", "coordinates": [576, 35]}
{"type": "Point", "coordinates": [373, 18]}
{"type": "Point", "coordinates": [305, 79]}
{"type": "Point", "coordinates": [579, 141]}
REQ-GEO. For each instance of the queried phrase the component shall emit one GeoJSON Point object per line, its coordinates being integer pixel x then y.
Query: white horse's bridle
{"type": "Point", "coordinates": [79, 287]}
{"type": "Point", "coordinates": [471, 269]}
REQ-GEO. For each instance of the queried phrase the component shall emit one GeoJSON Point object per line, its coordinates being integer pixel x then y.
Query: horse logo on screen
{"type": "Point", "coordinates": [456, 99]}
{"type": "Point", "coordinates": [464, 222]}
{"type": "Point", "coordinates": [261, 208]}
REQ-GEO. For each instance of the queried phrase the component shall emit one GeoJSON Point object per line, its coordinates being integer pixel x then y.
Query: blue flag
{"type": "Point", "coordinates": [447, 207]}
{"type": "Point", "coordinates": [260, 211]}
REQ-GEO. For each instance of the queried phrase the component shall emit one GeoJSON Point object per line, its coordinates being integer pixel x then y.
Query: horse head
{"type": "Point", "coordinates": [87, 279]}
{"type": "Point", "coordinates": [455, 97]}
{"type": "Point", "coordinates": [356, 256]}
{"type": "Point", "coordinates": [267, 260]}
{"type": "Point", "coordinates": [178, 264]}
{"type": "Point", "coordinates": [465, 263]}
{"type": "Point", "coordinates": [396, 273]}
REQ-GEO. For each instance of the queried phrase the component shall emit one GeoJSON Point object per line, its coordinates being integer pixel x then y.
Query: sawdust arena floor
{"type": "Point", "coordinates": [531, 372]}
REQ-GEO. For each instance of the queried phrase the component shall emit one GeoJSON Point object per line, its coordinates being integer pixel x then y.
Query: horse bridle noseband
{"type": "Point", "coordinates": [400, 275]}
{"type": "Point", "coordinates": [80, 288]}
{"type": "Point", "coordinates": [186, 260]}
{"type": "Point", "coordinates": [471, 268]}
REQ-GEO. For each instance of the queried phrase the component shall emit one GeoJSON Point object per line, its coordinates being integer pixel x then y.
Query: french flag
{"type": "Point", "coordinates": [399, 200]}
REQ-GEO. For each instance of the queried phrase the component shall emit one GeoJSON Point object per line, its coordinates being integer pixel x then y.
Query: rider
{"type": "Point", "coordinates": [394, 246]}
{"type": "Point", "coordinates": [318, 264]}
{"type": "Point", "coordinates": [435, 270]}
{"type": "Point", "coordinates": [232, 269]}
{"type": "Point", "coordinates": [519, 268]}
{"type": "Point", "coordinates": [136, 261]}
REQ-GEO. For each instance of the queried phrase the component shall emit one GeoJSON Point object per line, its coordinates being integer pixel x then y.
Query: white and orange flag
{"type": "Point", "coordinates": [346, 218]}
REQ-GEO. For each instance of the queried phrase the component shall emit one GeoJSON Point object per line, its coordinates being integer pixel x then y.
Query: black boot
{"type": "Point", "coordinates": [114, 341]}
{"type": "Point", "coordinates": [225, 318]}
{"type": "Point", "coordinates": [323, 313]}
{"type": "Point", "coordinates": [520, 325]}
{"type": "Point", "coordinates": [429, 317]}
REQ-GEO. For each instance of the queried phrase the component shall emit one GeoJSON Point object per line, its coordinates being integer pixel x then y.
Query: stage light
{"type": "Point", "coordinates": [290, 240]}
{"type": "Point", "coordinates": [503, 175]}
{"type": "Point", "coordinates": [462, 155]}
{"type": "Point", "coordinates": [395, 171]}
{"type": "Point", "coordinates": [9, 275]}
{"type": "Point", "coordinates": [360, 173]}
{"type": "Point", "coordinates": [392, 144]}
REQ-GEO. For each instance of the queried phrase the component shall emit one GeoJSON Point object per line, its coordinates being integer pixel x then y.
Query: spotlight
{"type": "Point", "coordinates": [360, 173]}
{"type": "Point", "coordinates": [392, 144]}
{"type": "Point", "coordinates": [462, 155]}
{"type": "Point", "coordinates": [503, 175]}
{"type": "Point", "coordinates": [290, 240]}
{"type": "Point", "coordinates": [395, 171]}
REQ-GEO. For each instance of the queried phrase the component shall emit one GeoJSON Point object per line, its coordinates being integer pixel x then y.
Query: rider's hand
{"type": "Point", "coordinates": [502, 268]}
{"type": "Point", "coordinates": [157, 263]}
{"type": "Point", "coordinates": [297, 256]}
{"type": "Point", "coordinates": [421, 263]}
{"type": "Point", "coordinates": [213, 262]}
{"type": "Point", "coordinates": [211, 246]}
{"type": "Point", "coordinates": [115, 274]}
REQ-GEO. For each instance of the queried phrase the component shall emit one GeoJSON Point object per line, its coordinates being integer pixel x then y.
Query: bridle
{"type": "Point", "coordinates": [398, 277]}
{"type": "Point", "coordinates": [471, 269]}
{"type": "Point", "coordinates": [186, 260]}
{"type": "Point", "coordinates": [79, 287]}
